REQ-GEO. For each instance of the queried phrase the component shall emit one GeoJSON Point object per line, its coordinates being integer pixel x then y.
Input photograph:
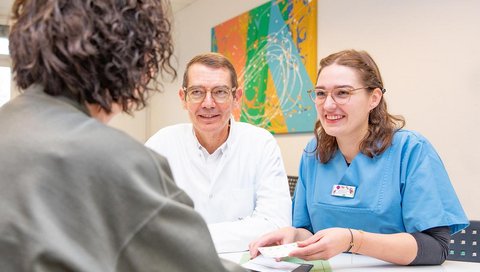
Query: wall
{"type": "Point", "coordinates": [4, 59]}
{"type": "Point", "coordinates": [135, 125]}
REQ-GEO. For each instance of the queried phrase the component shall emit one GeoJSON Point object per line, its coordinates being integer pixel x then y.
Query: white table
{"type": "Point", "coordinates": [349, 262]}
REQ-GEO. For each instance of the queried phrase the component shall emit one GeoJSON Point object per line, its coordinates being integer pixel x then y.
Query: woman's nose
{"type": "Point", "coordinates": [329, 102]}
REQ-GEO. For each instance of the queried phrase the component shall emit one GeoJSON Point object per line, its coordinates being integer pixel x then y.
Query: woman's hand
{"type": "Point", "coordinates": [323, 245]}
{"type": "Point", "coordinates": [281, 236]}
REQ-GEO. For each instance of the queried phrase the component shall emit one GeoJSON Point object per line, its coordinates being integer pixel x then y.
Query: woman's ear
{"type": "Point", "coordinates": [375, 98]}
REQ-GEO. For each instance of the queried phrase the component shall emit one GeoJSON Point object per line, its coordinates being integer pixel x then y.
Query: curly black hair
{"type": "Point", "coordinates": [95, 51]}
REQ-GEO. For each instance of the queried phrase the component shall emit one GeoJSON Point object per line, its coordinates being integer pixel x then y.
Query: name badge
{"type": "Point", "coordinates": [343, 191]}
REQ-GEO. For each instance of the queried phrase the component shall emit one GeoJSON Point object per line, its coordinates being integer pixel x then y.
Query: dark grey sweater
{"type": "Point", "coordinates": [76, 195]}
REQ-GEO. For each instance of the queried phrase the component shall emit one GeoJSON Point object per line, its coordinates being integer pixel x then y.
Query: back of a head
{"type": "Point", "coordinates": [99, 52]}
{"type": "Point", "coordinates": [212, 60]}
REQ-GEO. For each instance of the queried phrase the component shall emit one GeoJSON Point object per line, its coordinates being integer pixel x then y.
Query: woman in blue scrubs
{"type": "Point", "coordinates": [366, 185]}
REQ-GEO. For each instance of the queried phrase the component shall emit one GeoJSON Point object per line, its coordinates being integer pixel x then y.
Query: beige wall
{"type": "Point", "coordinates": [428, 52]}
{"type": "Point", "coordinates": [135, 125]}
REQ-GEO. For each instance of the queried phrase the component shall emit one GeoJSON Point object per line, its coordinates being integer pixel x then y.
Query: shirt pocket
{"type": "Point", "coordinates": [238, 203]}
{"type": "Point", "coordinates": [369, 191]}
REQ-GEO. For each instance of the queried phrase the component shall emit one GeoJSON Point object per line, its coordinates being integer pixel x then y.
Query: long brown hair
{"type": "Point", "coordinates": [100, 52]}
{"type": "Point", "coordinates": [381, 124]}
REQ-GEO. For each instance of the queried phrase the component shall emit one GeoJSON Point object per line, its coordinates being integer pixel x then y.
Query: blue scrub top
{"type": "Point", "coordinates": [404, 189]}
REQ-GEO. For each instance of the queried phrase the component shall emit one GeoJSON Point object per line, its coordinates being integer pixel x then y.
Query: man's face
{"type": "Point", "coordinates": [208, 116]}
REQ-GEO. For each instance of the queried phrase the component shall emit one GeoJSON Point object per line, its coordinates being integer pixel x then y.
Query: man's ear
{"type": "Point", "coordinates": [181, 95]}
{"type": "Point", "coordinates": [375, 98]}
{"type": "Point", "coordinates": [238, 96]}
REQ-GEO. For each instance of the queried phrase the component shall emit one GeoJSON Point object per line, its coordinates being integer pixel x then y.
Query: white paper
{"type": "Point", "coordinates": [278, 251]}
{"type": "Point", "coordinates": [264, 264]}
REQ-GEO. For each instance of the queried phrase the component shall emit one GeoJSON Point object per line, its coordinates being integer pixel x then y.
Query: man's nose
{"type": "Point", "coordinates": [208, 101]}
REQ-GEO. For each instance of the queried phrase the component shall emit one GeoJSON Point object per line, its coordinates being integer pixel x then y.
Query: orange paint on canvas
{"type": "Point", "coordinates": [273, 109]}
{"type": "Point", "coordinates": [231, 41]}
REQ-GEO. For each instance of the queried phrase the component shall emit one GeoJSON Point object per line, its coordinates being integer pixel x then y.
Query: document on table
{"type": "Point", "coordinates": [302, 265]}
{"type": "Point", "coordinates": [265, 264]}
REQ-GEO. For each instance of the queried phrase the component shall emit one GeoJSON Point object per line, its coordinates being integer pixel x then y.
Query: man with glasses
{"type": "Point", "coordinates": [233, 171]}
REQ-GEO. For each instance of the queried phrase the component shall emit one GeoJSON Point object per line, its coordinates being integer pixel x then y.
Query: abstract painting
{"type": "Point", "coordinates": [274, 50]}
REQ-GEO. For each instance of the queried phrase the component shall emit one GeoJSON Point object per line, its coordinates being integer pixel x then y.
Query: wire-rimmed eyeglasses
{"type": "Point", "coordinates": [341, 96]}
{"type": "Point", "coordinates": [196, 94]}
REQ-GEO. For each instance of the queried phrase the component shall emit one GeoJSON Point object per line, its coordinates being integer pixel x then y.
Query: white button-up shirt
{"type": "Point", "coordinates": [241, 189]}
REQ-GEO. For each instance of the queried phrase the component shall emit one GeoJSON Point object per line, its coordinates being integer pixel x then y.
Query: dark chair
{"type": "Point", "coordinates": [465, 245]}
{"type": "Point", "coordinates": [292, 182]}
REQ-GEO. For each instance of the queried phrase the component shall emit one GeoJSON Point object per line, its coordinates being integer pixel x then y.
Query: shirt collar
{"type": "Point", "coordinates": [225, 146]}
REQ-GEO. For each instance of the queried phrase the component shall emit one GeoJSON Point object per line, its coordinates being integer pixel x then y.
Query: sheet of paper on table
{"type": "Point", "coordinates": [266, 264]}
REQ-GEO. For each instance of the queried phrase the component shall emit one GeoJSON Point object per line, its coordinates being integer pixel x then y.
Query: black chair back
{"type": "Point", "coordinates": [292, 182]}
{"type": "Point", "coordinates": [465, 245]}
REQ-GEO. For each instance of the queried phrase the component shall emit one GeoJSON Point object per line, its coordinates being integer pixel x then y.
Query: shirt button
{"type": "Point", "coordinates": [210, 196]}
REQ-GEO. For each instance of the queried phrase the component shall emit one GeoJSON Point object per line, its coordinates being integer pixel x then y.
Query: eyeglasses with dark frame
{"type": "Point", "coordinates": [196, 94]}
{"type": "Point", "coordinates": [340, 96]}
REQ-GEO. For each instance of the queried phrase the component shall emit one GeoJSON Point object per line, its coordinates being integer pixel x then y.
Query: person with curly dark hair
{"type": "Point", "coordinates": [77, 195]}
{"type": "Point", "coordinates": [366, 185]}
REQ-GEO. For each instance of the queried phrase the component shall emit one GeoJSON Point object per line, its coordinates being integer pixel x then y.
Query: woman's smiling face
{"type": "Point", "coordinates": [350, 120]}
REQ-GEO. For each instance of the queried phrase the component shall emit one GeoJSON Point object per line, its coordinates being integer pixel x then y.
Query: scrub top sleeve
{"type": "Point", "coordinates": [429, 199]}
{"type": "Point", "coordinates": [301, 217]}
